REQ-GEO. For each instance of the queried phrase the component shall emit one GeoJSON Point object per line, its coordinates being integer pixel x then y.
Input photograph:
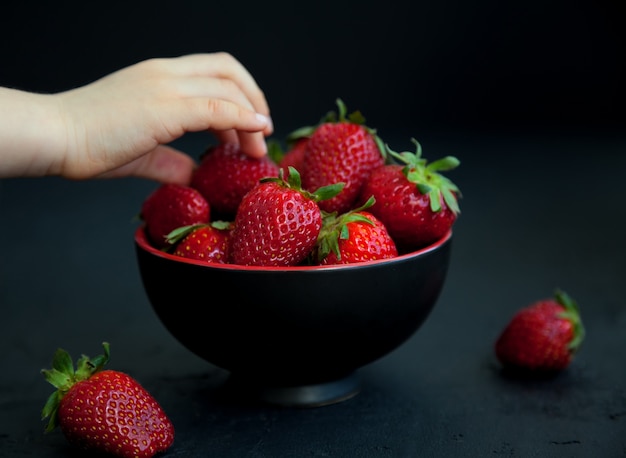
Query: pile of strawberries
{"type": "Point", "coordinates": [337, 195]}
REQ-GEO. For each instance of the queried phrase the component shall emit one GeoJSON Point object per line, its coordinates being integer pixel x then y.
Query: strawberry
{"type": "Point", "coordinates": [340, 150]}
{"type": "Point", "coordinates": [204, 242]}
{"type": "Point", "coordinates": [414, 201]}
{"type": "Point", "coordinates": [278, 222]}
{"type": "Point", "coordinates": [294, 156]}
{"type": "Point", "coordinates": [542, 337]}
{"type": "Point", "coordinates": [171, 206]}
{"type": "Point", "coordinates": [225, 174]}
{"type": "Point", "coordinates": [354, 236]}
{"type": "Point", "coordinates": [104, 410]}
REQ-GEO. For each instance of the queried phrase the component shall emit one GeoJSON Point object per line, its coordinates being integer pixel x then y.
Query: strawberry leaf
{"type": "Point", "coordinates": [445, 164]}
{"type": "Point", "coordinates": [294, 179]}
{"type": "Point", "coordinates": [450, 200]}
{"type": "Point", "coordinates": [335, 227]}
{"type": "Point", "coordinates": [572, 314]}
{"type": "Point", "coordinates": [275, 150]}
{"type": "Point", "coordinates": [50, 410]}
{"type": "Point", "coordinates": [299, 133]}
{"type": "Point", "coordinates": [180, 233]}
{"type": "Point", "coordinates": [426, 178]}
{"type": "Point", "coordinates": [62, 362]}
{"type": "Point", "coordinates": [329, 191]}
{"type": "Point", "coordinates": [63, 376]}
{"type": "Point", "coordinates": [294, 182]}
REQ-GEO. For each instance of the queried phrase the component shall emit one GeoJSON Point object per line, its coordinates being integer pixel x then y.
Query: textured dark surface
{"type": "Point", "coordinates": [539, 212]}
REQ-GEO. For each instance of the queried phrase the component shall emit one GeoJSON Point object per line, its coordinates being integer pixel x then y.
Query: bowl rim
{"type": "Point", "coordinates": [142, 242]}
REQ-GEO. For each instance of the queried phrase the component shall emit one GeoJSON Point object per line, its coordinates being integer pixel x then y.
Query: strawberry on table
{"type": "Point", "coordinates": [340, 149]}
{"type": "Point", "coordinates": [226, 173]}
{"type": "Point", "coordinates": [104, 410]}
{"type": "Point", "coordinates": [542, 337]}
{"type": "Point", "coordinates": [171, 206]}
{"type": "Point", "coordinates": [414, 201]}
{"type": "Point", "coordinates": [204, 242]}
{"type": "Point", "coordinates": [278, 222]}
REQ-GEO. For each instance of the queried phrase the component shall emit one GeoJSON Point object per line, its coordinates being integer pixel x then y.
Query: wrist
{"type": "Point", "coordinates": [31, 134]}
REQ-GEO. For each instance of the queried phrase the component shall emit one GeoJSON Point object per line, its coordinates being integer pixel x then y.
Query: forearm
{"type": "Point", "coordinates": [31, 134]}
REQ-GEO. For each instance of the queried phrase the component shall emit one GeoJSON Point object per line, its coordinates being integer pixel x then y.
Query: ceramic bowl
{"type": "Point", "coordinates": [293, 336]}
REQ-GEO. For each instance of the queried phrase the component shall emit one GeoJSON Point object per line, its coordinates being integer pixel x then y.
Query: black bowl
{"type": "Point", "coordinates": [297, 335]}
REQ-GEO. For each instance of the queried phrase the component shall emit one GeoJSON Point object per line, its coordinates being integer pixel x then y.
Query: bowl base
{"type": "Point", "coordinates": [315, 395]}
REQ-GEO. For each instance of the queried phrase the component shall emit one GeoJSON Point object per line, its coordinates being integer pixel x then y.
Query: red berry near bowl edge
{"type": "Point", "coordinates": [354, 236]}
{"type": "Point", "coordinates": [171, 206]}
{"type": "Point", "coordinates": [203, 242]}
{"type": "Point", "coordinates": [416, 203]}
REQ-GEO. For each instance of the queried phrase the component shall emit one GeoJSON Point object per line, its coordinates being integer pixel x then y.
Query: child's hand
{"type": "Point", "coordinates": [120, 125]}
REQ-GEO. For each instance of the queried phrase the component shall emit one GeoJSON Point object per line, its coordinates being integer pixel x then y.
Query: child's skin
{"type": "Point", "coordinates": [120, 125]}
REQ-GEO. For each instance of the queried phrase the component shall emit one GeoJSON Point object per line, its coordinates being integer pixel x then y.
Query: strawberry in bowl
{"type": "Point", "coordinates": [309, 283]}
{"type": "Point", "coordinates": [293, 335]}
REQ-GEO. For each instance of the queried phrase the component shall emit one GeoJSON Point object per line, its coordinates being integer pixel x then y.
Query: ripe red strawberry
{"type": "Point", "coordinates": [204, 242]}
{"type": "Point", "coordinates": [414, 201]}
{"type": "Point", "coordinates": [341, 150]}
{"type": "Point", "coordinates": [294, 156]}
{"type": "Point", "coordinates": [225, 174]}
{"type": "Point", "coordinates": [171, 206]}
{"type": "Point", "coordinates": [542, 337]}
{"type": "Point", "coordinates": [278, 222]}
{"type": "Point", "coordinates": [354, 236]}
{"type": "Point", "coordinates": [104, 410]}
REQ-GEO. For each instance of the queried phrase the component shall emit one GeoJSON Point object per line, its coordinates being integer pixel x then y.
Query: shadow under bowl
{"type": "Point", "coordinates": [293, 336]}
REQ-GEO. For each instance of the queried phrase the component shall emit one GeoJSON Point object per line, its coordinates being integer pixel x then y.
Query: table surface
{"type": "Point", "coordinates": [538, 212]}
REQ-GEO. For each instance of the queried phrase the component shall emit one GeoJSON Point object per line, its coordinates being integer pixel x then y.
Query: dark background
{"type": "Point", "coordinates": [410, 67]}
{"type": "Point", "coordinates": [529, 96]}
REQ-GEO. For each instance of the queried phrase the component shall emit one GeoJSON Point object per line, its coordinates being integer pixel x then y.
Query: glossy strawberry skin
{"type": "Point", "coordinates": [112, 412]}
{"type": "Point", "coordinates": [294, 157]}
{"type": "Point", "coordinates": [171, 206]}
{"type": "Point", "coordinates": [274, 226]}
{"type": "Point", "coordinates": [404, 210]}
{"type": "Point", "coordinates": [206, 243]}
{"type": "Point", "coordinates": [225, 174]}
{"type": "Point", "coordinates": [542, 337]}
{"type": "Point", "coordinates": [340, 152]}
{"type": "Point", "coordinates": [365, 242]}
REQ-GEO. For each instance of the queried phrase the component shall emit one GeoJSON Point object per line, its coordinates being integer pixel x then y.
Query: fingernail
{"type": "Point", "coordinates": [264, 119]}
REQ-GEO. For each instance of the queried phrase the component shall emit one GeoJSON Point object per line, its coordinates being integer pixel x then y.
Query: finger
{"type": "Point", "coordinates": [253, 143]}
{"type": "Point", "coordinates": [227, 136]}
{"type": "Point", "coordinates": [216, 88]}
{"type": "Point", "coordinates": [200, 113]}
{"type": "Point", "coordinates": [213, 88]}
{"type": "Point", "coordinates": [163, 164]}
{"type": "Point", "coordinates": [224, 65]}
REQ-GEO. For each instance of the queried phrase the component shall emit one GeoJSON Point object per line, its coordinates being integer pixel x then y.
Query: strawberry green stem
{"type": "Point", "coordinates": [63, 376]}
{"type": "Point", "coordinates": [572, 314]}
{"type": "Point", "coordinates": [427, 178]}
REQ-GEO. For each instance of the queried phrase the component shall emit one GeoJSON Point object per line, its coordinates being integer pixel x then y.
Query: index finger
{"type": "Point", "coordinates": [224, 65]}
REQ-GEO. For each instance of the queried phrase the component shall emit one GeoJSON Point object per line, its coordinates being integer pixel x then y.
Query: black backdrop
{"type": "Point", "coordinates": [415, 66]}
